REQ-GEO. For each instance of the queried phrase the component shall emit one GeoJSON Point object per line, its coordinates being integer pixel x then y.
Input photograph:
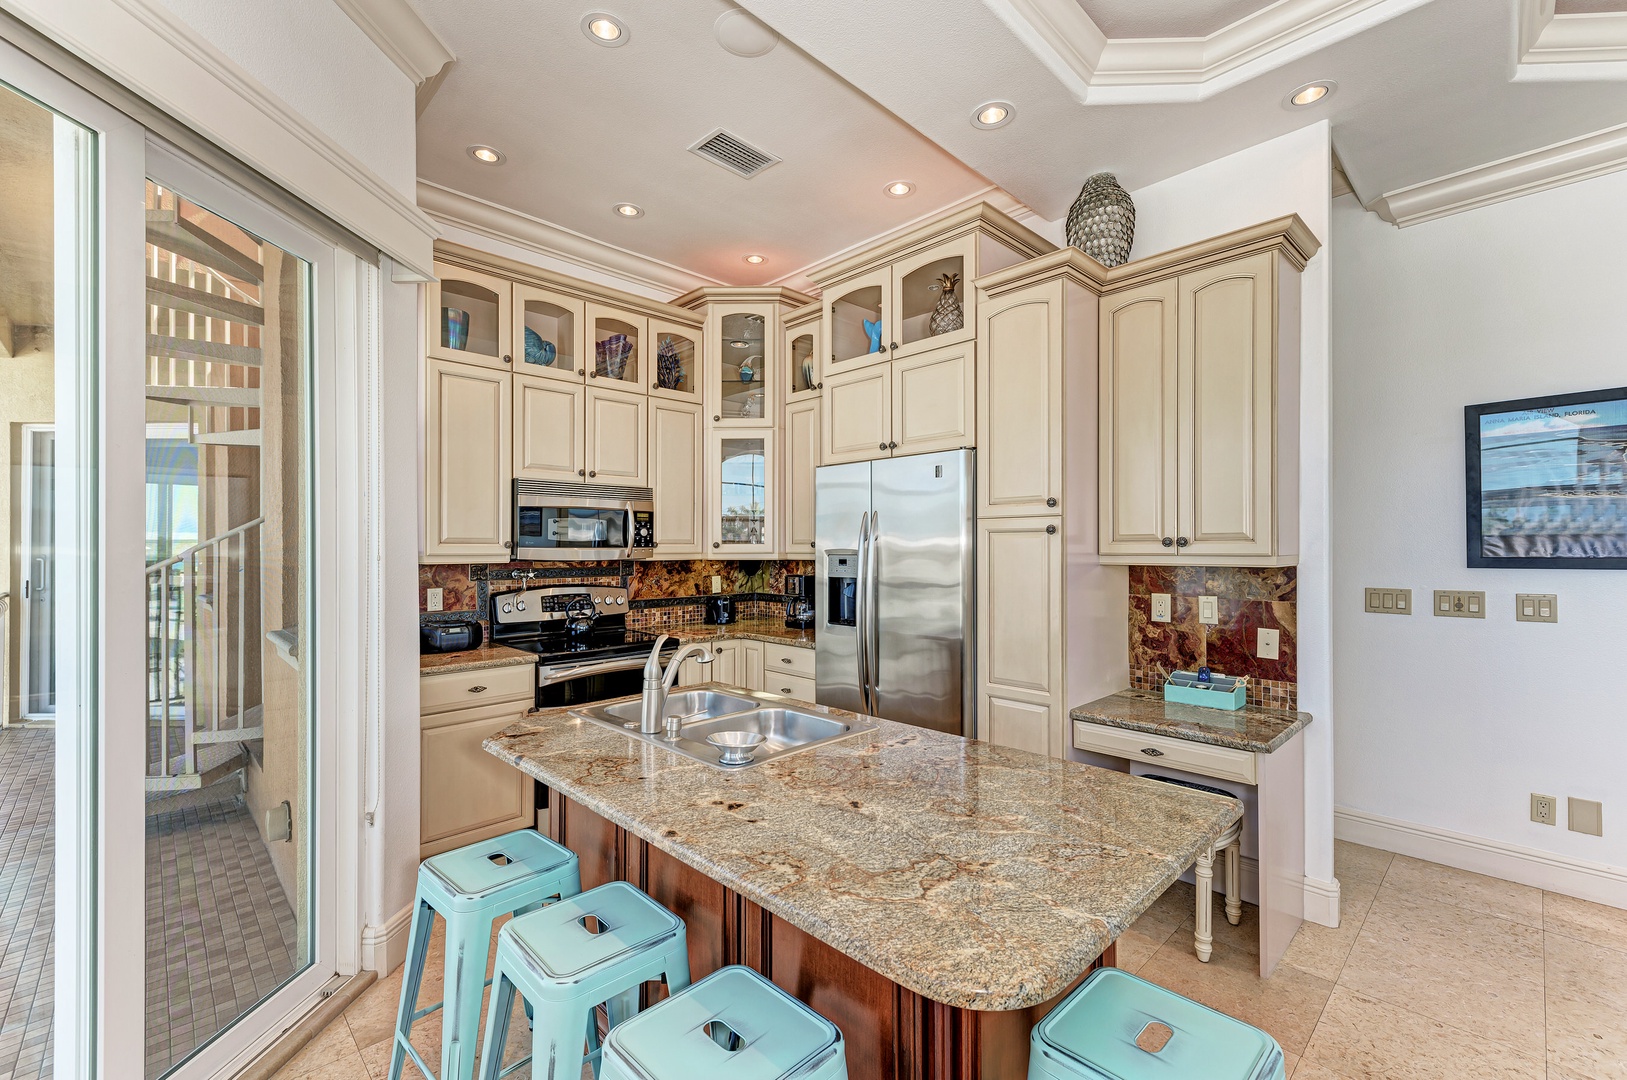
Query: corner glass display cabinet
{"type": "Point", "coordinates": [548, 334]}
{"type": "Point", "coordinates": [619, 344]}
{"type": "Point", "coordinates": [675, 371]}
{"type": "Point", "coordinates": [858, 317]}
{"type": "Point", "coordinates": [744, 367]}
{"type": "Point", "coordinates": [742, 477]}
{"type": "Point", "coordinates": [801, 352]}
{"type": "Point", "coordinates": [468, 316]}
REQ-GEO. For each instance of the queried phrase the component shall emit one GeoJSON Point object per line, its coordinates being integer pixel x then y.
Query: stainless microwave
{"type": "Point", "coordinates": [560, 522]}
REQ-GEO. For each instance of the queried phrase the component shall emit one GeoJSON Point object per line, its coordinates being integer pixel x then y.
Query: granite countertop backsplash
{"type": "Point", "coordinates": [487, 656]}
{"type": "Point", "coordinates": [773, 631]}
{"type": "Point", "coordinates": [1248, 728]}
{"type": "Point", "coordinates": [973, 874]}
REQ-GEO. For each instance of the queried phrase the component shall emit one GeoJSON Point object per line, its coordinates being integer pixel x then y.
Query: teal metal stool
{"type": "Point", "coordinates": [567, 959]}
{"type": "Point", "coordinates": [732, 1025]}
{"type": "Point", "coordinates": [471, 888]}
{"type": "Point", "coordinates": [1115, 1026]}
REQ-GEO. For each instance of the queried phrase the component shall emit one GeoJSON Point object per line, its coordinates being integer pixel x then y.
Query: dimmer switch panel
{"type": "Point", "coordinates": [1536, 607]}
{"type": "Point", "coordinates": [1460, 604]}
{"type": "Point", "coordinates": [1389, 601]}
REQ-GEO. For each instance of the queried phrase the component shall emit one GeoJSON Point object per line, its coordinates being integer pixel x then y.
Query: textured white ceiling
{"type": "Point", "coordinates": [585, 127]}
{"type": "Point", "coordinates": [1167, 18]}
{"type": "Point", "coordinates": [26, 237]}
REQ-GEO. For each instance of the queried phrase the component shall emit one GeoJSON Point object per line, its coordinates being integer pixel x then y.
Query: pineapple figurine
{"type": "Point", "coordinates": [947, 315]}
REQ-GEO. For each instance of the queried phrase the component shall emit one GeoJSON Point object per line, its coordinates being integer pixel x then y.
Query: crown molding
{"type": "Point", "coordinates": [1585, 47]}
{"type": "Point", "coordinates": [1098, 69]}
{"type": "Point", "coordinates": [533, 234]}
{"type": "Point", "coordinates": [1537, 170]}
{"type": "Point", "coordinates": [401, 34]}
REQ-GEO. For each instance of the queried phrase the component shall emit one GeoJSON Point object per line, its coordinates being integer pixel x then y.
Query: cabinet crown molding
{"type": "Point", "coordinates": [806, 313]}
{"type": "Point", "coordinates": [469, 258]}
{"type": "Point", "coordinates": [1288, 235]}
{"type": "Point", "coordinates": [892, 248]}
{"type": "Point", "coordinates": [743, 294]}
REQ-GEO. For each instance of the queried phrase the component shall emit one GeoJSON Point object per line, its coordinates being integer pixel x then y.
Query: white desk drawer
{"type": "Point", "coordinates": [466, 689]}
{"type": "Point", "coordinates": [787, 660]}
{"type": "Point", "coordinates": [1201, 758]}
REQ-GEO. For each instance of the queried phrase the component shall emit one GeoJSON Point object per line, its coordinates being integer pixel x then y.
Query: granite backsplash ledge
{"type": "Point", "coordinates": [1249, 599]}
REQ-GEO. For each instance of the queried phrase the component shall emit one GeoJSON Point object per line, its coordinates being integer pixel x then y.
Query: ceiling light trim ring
{"type": "Point", "coordinates": [628, 210]}
{"type": "Point", "coordinates": [595, 21]}
{"type": "Point", "coordinates": [487, 155]}
{"type": "Point", "coordinates": [891, 189]}
{"type": "Point", "coordinates": [1306, 90]}
{"type": "Point", "coordinates": [993, 114]}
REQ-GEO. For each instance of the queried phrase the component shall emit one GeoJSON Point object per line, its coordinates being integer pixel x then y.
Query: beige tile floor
{"type": "Point", "coordinates": [1433, 974]}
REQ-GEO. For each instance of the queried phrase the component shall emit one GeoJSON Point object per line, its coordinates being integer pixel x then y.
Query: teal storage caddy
{"type": "Point", "coordinates": [1220, 692]}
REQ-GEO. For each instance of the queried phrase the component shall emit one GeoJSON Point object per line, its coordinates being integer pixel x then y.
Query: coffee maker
{"type": "Point", "coordinates": [799, 601]}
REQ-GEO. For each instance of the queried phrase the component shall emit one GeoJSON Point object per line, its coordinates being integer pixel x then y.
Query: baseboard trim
{"type": "Point", "coordinates": [384, 948]}
{"type": "Point", "coordinates": [1598, 882]}
{"type": "Point", "coordinates": [1322, 902]}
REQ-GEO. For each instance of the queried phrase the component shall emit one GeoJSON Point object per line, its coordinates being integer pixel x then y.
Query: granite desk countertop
{"type": "Point", "coordinates": [975, 875]}
{"type": "Point", "coordinates": [773, 631]}
{"type": "Point", "coordinates": [488, 656]}
{"type": "Point", "coordinates": [1248, 728]}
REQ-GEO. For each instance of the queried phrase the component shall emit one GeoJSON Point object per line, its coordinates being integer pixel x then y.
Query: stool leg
{"type": "Point", "coordinates": [557, 1041]}
{"type": "Point", "coordinates": [412, 974]}
{"type": "Point", "coordinates": [497, 1017]}
{"type": "Point", "coordinates": [1234, 890]}
{"type": "Point", "coordinates": [1203, 938]}
{"type": "Point", "coordinates": [468, 940]}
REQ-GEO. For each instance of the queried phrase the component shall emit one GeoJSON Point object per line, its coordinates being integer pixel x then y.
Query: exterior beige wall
{"type": "Point", "coordinates": [27, 396]}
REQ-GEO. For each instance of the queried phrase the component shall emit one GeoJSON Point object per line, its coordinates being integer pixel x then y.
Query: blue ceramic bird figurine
{"type": "Point", "coordinates": [873, 329]}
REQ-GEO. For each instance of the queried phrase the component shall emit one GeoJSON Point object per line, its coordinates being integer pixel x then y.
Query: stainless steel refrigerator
{"type": "Point", "coordinates": [893, 605]}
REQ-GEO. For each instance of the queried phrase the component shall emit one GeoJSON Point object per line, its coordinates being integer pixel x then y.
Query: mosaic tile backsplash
{"type": "Point", "coordinates": [1249, 598]}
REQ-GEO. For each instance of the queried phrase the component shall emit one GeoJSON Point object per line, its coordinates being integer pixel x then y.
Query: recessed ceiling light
{"type": "Point", "coordinates": [605, 29]}
{"type": "Point", "coordinates": [627, 209]}
{"type": "Point", "coordinates": [1311, 93]}
{"type": "Point", "coordinates": [755, 259]}
{"type": "Point", "coordinates": [486, 155]}
{"type": "Point", "coordinates": [993, 114]}
{"type": "Point", "coordinates": [739, 343]}
{"type": "Point", "coordinates": [899, 188]}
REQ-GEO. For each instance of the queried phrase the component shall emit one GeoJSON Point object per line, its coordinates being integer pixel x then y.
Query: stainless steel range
{"type": "Point", "coordinates": [585, 653]}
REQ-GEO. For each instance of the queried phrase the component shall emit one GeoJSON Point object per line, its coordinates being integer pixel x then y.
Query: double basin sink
{"type": "Point", "coordinates": [786, 727]}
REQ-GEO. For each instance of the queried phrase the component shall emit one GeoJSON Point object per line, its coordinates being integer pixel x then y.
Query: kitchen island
{"type": "Point", "coordinates": [932, 895]}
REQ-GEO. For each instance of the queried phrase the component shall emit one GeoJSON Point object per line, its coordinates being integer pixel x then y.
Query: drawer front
{"type": "Point", "coordinates": [467, 689]}
{"type": "Point", "coordinates": [792, 686]}
{"type": "Point", "coordinates": [788, 660]}
{"type": "Point", "coordinates": [1201, 758]}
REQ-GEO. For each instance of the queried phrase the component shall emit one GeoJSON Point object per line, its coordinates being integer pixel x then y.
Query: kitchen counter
{"type": "Point", "coordinates": [773, 631]}
{"type": "Point", "coordinates": [977, 876]}
{"type": "Point", "coordinates": [489, 656]}
{"type": "Point", "coordinates": [1248, 728]}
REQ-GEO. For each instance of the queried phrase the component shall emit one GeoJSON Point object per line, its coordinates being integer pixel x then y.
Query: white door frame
{"type": "Point", "coordinates": [25, 523]}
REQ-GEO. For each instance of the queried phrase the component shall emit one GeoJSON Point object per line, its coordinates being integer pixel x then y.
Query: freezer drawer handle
{"type": "Point", "coordinates": [1152, 751]}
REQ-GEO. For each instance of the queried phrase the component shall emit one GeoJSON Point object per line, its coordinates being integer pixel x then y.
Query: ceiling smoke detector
{"type": "Point", "coordinates": [739, 33]}
{"type": "Point", "coordinates": [733, 153]}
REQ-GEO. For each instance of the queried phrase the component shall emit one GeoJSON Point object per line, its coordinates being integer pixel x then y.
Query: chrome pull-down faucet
{"type": "Point", "coordinates": [652, 715]}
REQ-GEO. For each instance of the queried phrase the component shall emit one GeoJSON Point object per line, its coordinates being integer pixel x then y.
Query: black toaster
{"type": "Point", "coordinates": [449, 636]}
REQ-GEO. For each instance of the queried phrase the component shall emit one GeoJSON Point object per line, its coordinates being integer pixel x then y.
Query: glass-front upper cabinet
{"type": "Point", "coordinates": [931, 297]}
{"type": "Point", "coordinates": [858, 314]}
{"type": "Point", "coordinates": [619, 341]}
{"type": "Point", "coordinates": [548, 334]}
{"type": "Point", "coordinates": [468, 315]}
{"type": "Point", "coordinates": [743, 367]}
{"type": "Point", "coordinates": [676, 370]}
{"type": "Point", "coordinates": [802, 353]}
{"type": "Point", "coordinates": [742, 502]}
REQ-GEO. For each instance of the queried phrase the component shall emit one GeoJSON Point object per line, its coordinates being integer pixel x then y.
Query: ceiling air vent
{"type": "Point", "coordinates": [733, 153]}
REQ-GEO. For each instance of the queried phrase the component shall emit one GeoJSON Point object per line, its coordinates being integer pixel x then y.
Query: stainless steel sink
{"type": "Point", "coordinates": [785, 729]}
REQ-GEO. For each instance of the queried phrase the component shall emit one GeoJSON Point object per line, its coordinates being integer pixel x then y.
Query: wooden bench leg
{"type": "Point", "coordinates": [1203, 937]}
{"type": "Point", "coordinates": [1234, 889]}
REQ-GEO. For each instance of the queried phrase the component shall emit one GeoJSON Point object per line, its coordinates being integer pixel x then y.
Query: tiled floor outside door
{"type": "Point", "coordinates": [26, 914]}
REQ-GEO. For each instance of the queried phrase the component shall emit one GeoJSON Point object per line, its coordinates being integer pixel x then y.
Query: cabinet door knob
{"type": "Point", "coordinates": [883, 446]}
{"type": "Point", "coordinates": [594, 374]}
{"type": "Point", "coordinates": [894, 344]}
{"type": "Point", "coordinates": [1050, 530]}
{"type": "Point", "coordinates": [716, 544]}
{"type": "Point", "coordinates": [892, 446]}
{"type": "Point", "coordinates": [716, 419]}
{"type": "Point", "coordinates": [1168, 542]}
{"type": "Point", "coordinates": [591, 474]}
{"type": "Point", "coordinates": [581, 472]}
{"type": "Point", "coordinates": [819, 386]}
{"type": "Point", "coordinates": [813, 543]}
{"type": "Point", "coordinates": [581, 371]}
{"type": "Point", "coordinates": [1181, 541]}
{"type": "Point", "coordinates": [1050, 502]}
{"type": "Point", "coordinates": [507, 359]}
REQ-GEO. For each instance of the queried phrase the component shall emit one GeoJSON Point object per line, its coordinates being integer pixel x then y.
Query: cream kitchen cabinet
{"type": "Point", "coordinates": [801, 353]}
{"type": "Point", "coordinates": [468, 320]}
{"type": "Point", "coordinates": [915, 405]}
{"type": "Point", "coordinates": [738, 663]}
{"type": "Point", "coordinates": [675, 365]}
{"type": "Point", "coordinates": [858, 420]}
{"type": "Point", "coordinates": [1020, 640]}
{"type": "Point", "coordinates": [557, 323]}
{"type": "Point", "coordinates": [676, 453]}
{"type": "Point", "coordinates": [742, 493]}
{"type": "Point", "coordinates": [617, 437]}
{"type": "Point", "coordinates": [567, 431]}
{"type": "Point", "coordinates": [467, 466]}
{"type": "Point", "coordinates": [465, 794]}
{"type": "Point", "coordinates": [802, 438]}
{"type": "Point", "coordinates": [1021, 437]}
{"type": "Point", "coordinates": [744, 338]}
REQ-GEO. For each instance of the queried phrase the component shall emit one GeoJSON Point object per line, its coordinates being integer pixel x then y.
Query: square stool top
{"type": "Point", "coordinates": [591, 930]}
{"type": "Point", "coordinates": [477, 870]}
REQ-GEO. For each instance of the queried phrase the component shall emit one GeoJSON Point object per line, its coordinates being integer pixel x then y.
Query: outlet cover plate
{"type": "Point", "coordinates": [1389, 601]}
{"type": "Point", "coordinates": [1460, 604]}
{"type": "Point", "coordinates": [1267, 642]}
{"type": "Point", "coordinates": [434, 599]}
{"type": "Point", "coordinates": [1536, 607]}
{"type": "Point", "coordinates": [1209, 610]}
{"type": "Point", "coordinates": [1544, 809]}
{"type": "Point", "coordinates": [1160, 607]}
{"type": "Point", "coordinates": [1586, 816]}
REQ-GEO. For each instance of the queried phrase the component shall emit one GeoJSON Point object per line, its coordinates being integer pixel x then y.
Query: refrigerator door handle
{"type": "Point", "coordinates": [861, 613]}
{"type": "Point", "coordinates": [871, 606]}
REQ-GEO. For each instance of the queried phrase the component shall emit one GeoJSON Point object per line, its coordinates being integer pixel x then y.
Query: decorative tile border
{"type": "Point", "coordinates": [1262, 693]}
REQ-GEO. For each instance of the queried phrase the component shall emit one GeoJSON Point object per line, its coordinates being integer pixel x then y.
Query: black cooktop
{"type": "Point", "coordinates": [597, 644]}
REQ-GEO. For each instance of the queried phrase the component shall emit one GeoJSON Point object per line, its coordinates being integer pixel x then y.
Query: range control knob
{"type": "Point", "coordinates": [508, 609]}
{"type": "Point", "coordinates": [519, 605]}
{"type": "Point", "coordinates": [621, 599]}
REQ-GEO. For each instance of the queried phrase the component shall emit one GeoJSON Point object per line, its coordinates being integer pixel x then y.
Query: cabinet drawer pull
{"type": "Point", "coordinates": [477, 689]}
{"type": "Point", "coordinates": [785, 690]}
{"type": "Point", "coordinates": [1152, 751]}
{"type": "Point", "coordinates": [785, 659]}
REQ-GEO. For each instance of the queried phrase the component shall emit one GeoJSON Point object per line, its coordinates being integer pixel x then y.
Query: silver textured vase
{"type": "Point", "coordinates": [1102, 220]}
{"type": "Point", "coordinates": [947, 315]}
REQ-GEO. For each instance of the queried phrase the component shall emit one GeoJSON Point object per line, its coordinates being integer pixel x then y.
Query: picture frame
{"type": "Point", "coordinates": [1547, 482]}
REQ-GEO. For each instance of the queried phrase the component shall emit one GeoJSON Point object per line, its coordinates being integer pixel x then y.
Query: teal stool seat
{"type": "Point", "coordinates": [1115, 1026]}
{"type": "Point", "coordinates": [597, 948]}
{"type": "Point", "coordinates": [471, 888]}
{"type": "Point", "coordinates": [732, 1025]}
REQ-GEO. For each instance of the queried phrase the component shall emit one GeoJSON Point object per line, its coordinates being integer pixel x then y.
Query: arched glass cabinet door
{"type": "Point", "coordinates": [468, 317]}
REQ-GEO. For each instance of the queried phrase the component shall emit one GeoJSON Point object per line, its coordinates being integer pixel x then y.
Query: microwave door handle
{"type": "Point", "coordinates": [859, 613]}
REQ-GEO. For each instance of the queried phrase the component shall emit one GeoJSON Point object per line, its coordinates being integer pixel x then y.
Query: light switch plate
{"type": "Point", "coordinates": [1460, 604]}
{"type": "Point", "coordinates": [717, 583]}
{"type": "Point", "coordinates": [1389, 601]}
{"type": "Point", "coordinates": [1586, 816]}
{"type": "Point", "coordinates": [1536, 607]}
{"type": "Point", "coordinates": [1208, 610]}
{"type": "Point", "coordinates": [1266, 643]}
{"type": "Point", "coordinates": [1160, 607]}
{"type": "Point", "coordinates": [434, 599]}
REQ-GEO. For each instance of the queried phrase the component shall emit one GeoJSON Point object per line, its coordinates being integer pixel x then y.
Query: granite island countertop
{"type": "Point", "coordinates": [1248, 728]}
{"type": "Point", "coordinates": [487, 656]}
{"type": "Point", "coordinates": [975, 875]}
{"type": "Point", "coordinates": [773, 631]}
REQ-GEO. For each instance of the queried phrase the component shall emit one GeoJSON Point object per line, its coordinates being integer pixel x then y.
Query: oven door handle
{"type": "Point", "coordinates": [549, 676]}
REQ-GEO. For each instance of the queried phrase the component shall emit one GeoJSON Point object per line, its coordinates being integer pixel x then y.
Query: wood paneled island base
{"type": "Point", "coordinates": [891, 1033]}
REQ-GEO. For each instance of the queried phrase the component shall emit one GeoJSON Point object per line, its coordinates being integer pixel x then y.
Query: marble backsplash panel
{"type": "Point", "coordinates": [1249, 599]}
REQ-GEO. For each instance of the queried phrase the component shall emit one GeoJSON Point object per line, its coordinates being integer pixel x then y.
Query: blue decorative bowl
{"type": "Point", "coordinates": [538, 351]}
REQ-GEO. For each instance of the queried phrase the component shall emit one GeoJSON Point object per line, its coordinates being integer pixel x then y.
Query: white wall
{"type": "Point", "coordinates": [1289, 174]}
{"type": "Point", "coordinates": [1451, 724]}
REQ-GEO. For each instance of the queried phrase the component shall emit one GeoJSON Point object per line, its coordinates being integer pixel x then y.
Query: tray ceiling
{"type": "Point", "coordinates": [1167, 18]}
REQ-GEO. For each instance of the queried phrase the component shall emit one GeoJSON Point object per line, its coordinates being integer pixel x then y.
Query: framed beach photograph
{"type": "Point", "coordinates": [1547, 481]}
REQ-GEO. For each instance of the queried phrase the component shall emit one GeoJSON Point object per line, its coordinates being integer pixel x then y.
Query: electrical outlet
{"type": "Point", "coordinates": [1536, 607]}
{"type": "Point", "coordinates": [1389, 601]}
{"type": "Point", "coordinates": [1209, 610]}
{"type": "Point", "coordinates": [1544, 809]}
{"type": "Point", "coordinates": [434, 599]}
{"type": "Point", "coordinates": [1460, 604]}
{"type": "Point", "coordinates": [1586, 816]}
{"type": "Point", "coordinates": [1266, 643]}
{"type": "Point", "coordinates": [1160, 607]}
{"type": "Point", "coordinates": [717, 583]}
